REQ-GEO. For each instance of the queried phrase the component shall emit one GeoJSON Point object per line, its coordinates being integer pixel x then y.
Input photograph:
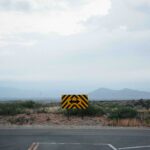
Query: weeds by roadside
{"type": "Point", "coordinates": [130, 113]}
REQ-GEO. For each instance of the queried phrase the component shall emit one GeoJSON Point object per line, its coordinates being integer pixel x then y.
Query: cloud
{"type": "Point", "coordinates": [108, 56]}
{"type": "Point", "coordinates": [84, 42]}
{"type": "Point", "coordinates": [14, 40]}
{"type": "Point", "coordinates": [131, 14]}
{"type": "Point", "coordinates": [49, 16]}
{"type": "Point", "coordinates": [18, 5]}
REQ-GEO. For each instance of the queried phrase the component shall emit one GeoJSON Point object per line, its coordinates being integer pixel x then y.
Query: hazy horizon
{"type": "Point", "coordinates": [34, 90]}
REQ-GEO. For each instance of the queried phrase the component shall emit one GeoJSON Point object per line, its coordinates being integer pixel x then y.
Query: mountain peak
{"type": "Point", "coordinates": [123, 94]}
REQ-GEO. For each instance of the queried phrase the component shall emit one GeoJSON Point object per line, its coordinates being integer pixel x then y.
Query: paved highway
{"type": "Point", "coordinates": [75, 139]}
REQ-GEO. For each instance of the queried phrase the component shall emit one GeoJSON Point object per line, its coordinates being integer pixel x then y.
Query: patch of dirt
{"type": "Point", "coordinates": [50, 119]}
{"type": "Point", "coordinates": [60, 119]}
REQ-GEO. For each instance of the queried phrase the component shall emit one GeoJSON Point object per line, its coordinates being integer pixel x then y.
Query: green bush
{"type": "Point", "coordinates": [27, 104]}
{"type": "Point", "coordinates": [147, 120]}
{"type": "Point", "coordinates": [92, 110]}
{"type": "Point", "coordinates": [13, 108]}
{"type": "Point", "coordinates": [10, 109]}
{"type": "Point", "coordinates": [122, 112]}
{"type": "Point", "coordinates": [42, 110]}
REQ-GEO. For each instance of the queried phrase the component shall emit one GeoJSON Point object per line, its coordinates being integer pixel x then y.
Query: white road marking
{"type": "Point", "coordinates": [34, 146]}
{"type": "Point", "coordinates": [104, 144]}
{"type": "Point", "coordinates": [134, 147]}
{"type": "Point", "coordinates": [112, 147]}
{"type": "Point", "coordinates": [54, 143]}
{"type": "Point", "coordinates": [73, 143]}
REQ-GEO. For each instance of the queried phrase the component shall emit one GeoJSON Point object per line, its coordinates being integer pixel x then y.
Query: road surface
{"type": "Point", "coordinates": [75, 139]}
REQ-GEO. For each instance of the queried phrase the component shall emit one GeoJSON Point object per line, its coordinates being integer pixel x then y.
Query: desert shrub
{"type": "Point", "coordinates": [17, 107]}
{"type": "Point", "coordinates": [61, 111]}
{"type": "Point", "coordinates": [147, 121]}
{"type": "Point", "coordinates": [27, 104]}
{"type": "Point", "coordinates": [27, 112]}
{"type": "Point", "coordinates": [92, 110]}
{"type": "Point", "coordinates": [143, 103]}
{"type": "Point", "coordinates": [147, 104]}
{"type": "Point", "coordinates": [20, 120]}
{"type": "Point", "coordinates": [122, 112]}
{"type": "Point", "coordinates": [42, 110]}
{"type": "Point", "coordinates": [10, 109]}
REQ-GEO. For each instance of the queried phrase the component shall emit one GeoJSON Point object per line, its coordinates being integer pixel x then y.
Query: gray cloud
{"type": "Point", "coordinates": [17, 5]}
{"type": "Point", "coordinates": [113, 51]}
{"type": "Point", "coordinates": [41, 5]}
{"type": "Point", "coordinates": [131, 14]}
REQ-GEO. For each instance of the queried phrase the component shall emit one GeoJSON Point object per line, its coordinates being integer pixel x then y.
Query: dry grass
{"type": "Point", "coordinates": [47, 114]}
{"type": "Point", "coordinates": [127, 123]}
{"type": "Point", "coordinates": [50, 119]}
{"type": "Point", "coordinates": [60, 119]}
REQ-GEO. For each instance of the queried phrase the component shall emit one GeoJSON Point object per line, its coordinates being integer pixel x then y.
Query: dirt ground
{"type": "Point", "coordinates": [50, 119]}
{"type": "Point", "coordinates": [60, 119]}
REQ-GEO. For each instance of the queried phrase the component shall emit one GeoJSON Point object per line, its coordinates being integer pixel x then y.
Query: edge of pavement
{"type": "Point", "coordinates": [67, 127]}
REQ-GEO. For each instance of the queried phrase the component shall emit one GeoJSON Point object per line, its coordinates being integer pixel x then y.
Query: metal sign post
{"type": "Point", "coordinates": [68, 114]}
{"type": "Point", "coordinates": [82, 114]}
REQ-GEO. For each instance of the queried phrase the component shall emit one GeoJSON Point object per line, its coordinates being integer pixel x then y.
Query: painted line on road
{"type": "Point", "coordinates": [104, 144]}
{"type": "Point", "coordinates": [112, 147]}
{"type": "Point", "coordinates": [33, 146]}
{"type": "Point", "coordinates": [54, 143]}
{"type": "Point", "coordinates": [36, 146]}
{"type": "Point", "coordinates": [134, 147]}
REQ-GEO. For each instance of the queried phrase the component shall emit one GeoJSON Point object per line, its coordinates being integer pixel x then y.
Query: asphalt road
{"type": "Point", "coordinates": [75, 139]}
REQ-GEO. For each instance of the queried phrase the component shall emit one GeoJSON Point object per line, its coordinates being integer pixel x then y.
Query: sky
{"type": "Point", "coordinates": [77, 45]}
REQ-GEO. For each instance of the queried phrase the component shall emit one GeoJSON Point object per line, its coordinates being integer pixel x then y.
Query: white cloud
{"type": "Point", "coordinates": [114, 48]}
{"type": "Point", "coordinates": [14, 40]}
{"type": "Point", "coordinates": [53, 16]}
{"type": "Point", "coordinates": [138, 3]}
{"type": "Point", "coordinates": [134, 14]}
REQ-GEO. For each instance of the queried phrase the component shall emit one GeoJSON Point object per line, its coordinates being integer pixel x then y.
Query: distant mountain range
{"type": "Point", "coordinates": [8, 93]}
{"type": "Point", "coordinates": [123, 94]}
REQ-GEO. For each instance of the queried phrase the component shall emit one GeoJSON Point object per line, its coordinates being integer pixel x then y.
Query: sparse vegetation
{"type": "Point", "coordinates": [10, 109]}
{"type": "Point", "coordinates": [114, 113]}
{"type": "Point", "coordinates": [92, 110]}
{"type": "Point", "coordinates": [18, 107]}
{"type": "Point", "coordinates": [21, 120]}
{"type": "Point", "coordinates": [122, 112]}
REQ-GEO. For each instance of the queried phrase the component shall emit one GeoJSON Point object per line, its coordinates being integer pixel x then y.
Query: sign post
{"type": "Point", "coordinates": [68, 114]}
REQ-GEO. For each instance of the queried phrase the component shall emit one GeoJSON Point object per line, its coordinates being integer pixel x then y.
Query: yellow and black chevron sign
{"type": "Point", "coordinates": [74, 101]}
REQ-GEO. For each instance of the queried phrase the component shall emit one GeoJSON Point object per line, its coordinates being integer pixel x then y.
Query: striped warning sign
{"type": "Point", "coordinates": [74, 101]}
